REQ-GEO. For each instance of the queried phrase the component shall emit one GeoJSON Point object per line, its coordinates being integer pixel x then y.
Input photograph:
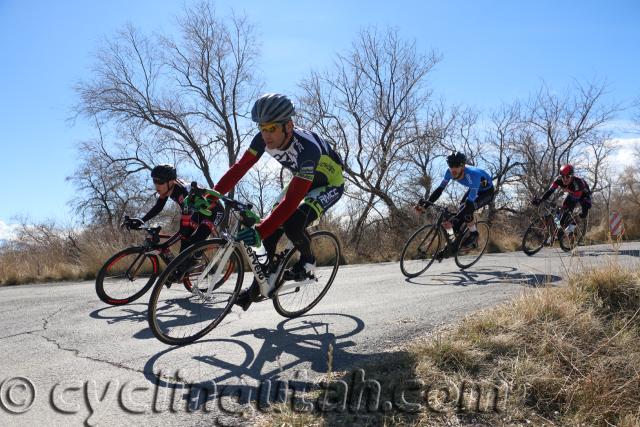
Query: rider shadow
{"type": "Point", "coordinates": [136, 312]}
{"type": "Point", "coordinates": [487, 276]}
{"type": "Point", "coordinates": [307, 340]}
{"type": "Point", "coordinates": [610, 252]}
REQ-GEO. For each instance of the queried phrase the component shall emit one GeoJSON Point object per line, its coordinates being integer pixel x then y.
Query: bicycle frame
{"type": "Point", "coordinates": [266, 283]}
{"type": "Point", "coordinates": [549, 213]}
{"type": "Point", "coordinates": [151, 247]}
{"type": "Point", "coordinates": [445, 216]}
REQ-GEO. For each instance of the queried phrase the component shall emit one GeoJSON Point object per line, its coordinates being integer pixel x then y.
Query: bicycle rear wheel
{"type": "Point", "coordinates": [570, 241]}
{"type": "Point", "coordinates": [126, 276]}
{"type": "Point", "coordinates": [466, 256]}
{"type": "Point", "coordinates": [420, 250]}
{"type": "Point", "coordinates": [292, 298]}
{"type": "Point", "coordinates": [177, 315]}
{"type": "Point", "coordinates": [535, 236]}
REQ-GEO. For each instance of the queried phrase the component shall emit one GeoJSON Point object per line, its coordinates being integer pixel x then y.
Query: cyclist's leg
{"type": "Point", "coordinates": [585, 204]}
{"type": "Point", "coordinates": [461, 216]}
{"type": "Point", "coordinates": [568, 205]}
{"type": "Point", "coordinates": [313, 207]}
{"type": "Point", "coordinates": [186, 230]}
{"type": "Point", "coordinates": [296, 230]}
{"type": "Point", "coordinates": [468, 213]}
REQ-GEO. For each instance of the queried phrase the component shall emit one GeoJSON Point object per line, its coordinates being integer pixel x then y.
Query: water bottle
{"type": "Point", "coordinates": [557, 219]}
{"type": "Point", "coordinates": [449, 227]}
{"type": "Point", "coordinates": [261, 253]}
{"type": "Point", "coordinates": [570, 228]}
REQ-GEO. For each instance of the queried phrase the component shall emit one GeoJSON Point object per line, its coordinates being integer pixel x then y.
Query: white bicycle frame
{"type": "Point", "coordinates": [266, 284]}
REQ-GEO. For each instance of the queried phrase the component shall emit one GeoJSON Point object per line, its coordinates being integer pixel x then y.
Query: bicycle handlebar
{"type": "Point", "coordinates": [247, 217]}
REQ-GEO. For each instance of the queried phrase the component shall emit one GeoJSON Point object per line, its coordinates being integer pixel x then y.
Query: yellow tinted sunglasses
{"type": "Point", "coordinates": [269, 127]}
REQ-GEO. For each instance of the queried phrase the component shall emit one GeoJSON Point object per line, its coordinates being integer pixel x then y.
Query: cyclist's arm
{"type": "Point", "coordinates": [156, 209]}
{"type": "Point", "coordinates": [298, 188]}
{"type": "Point", "coordinates": [438, 191]}
{"type": "Point", "coordinates": [236, 172]}
{"type": "Point", "coordinates": [550, 191]}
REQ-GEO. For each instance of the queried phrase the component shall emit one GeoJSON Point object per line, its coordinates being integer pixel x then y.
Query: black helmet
{"type": "Point", "coordinates": [164, 172]}
{"type": "Point", "coordinates": [456, 159]}
{"type": "Point", "coordinates": [272, 107]}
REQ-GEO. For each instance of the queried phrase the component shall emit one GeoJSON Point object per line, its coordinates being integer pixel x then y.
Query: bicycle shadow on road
{"type": "Point", "coordinates": [309, 345]}
{"type": "Point", "coordinates": [483, 276]}
{"type": "Point", "coordinates": [586, 251]}
{"type": "Point", "coordinates": [134, 312]}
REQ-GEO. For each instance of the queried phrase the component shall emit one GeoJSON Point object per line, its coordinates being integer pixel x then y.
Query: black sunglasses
{"type": "Point", "coordinates": [159, 181]}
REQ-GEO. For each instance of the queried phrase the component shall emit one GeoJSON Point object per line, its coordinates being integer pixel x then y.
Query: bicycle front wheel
{"type": "Point", "coordinates": [292, 298]}
{"type": "Point", "coordinates": [466, 256]}
{"type": "Point", "coordinates": [535, 236]}
{"type": "Point", "coordinates": [180, 314]}
{"type": "Point", "coordinates": [126, 276]}
{"type": "Point", "coordinates": [420, 251]}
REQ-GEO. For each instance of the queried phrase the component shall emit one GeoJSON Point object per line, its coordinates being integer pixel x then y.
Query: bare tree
{"type": "Point", "coordinates": [105, 194]}
{"type": "Point", "coordinates": [261, 186]}
{"type": "Point", "coordinates": [501, 156]}
{"type": "Point", "coordinates": [184, 100]}
{"type": "Point", "coordinates": [558, 128]}
{"type": "Point", "coordinates": [367, 107]}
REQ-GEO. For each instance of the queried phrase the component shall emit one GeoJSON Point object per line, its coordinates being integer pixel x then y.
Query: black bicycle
{"type": "Point", "coordinates": [177, 317]}
{"type": "Point", "coordinates": [546, 228]}
{"type": "Point", "coordinates": [438, 241]}
{"type": "Point", "coordinates": [128, 274]}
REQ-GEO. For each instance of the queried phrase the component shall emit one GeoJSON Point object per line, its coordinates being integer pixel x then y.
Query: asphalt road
{"type": "Point", "coordinates": [68, 359]}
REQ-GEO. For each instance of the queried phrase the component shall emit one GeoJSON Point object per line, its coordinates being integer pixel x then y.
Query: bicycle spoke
{"type": "Point", "coordinates": [420, 250]}
{"type": "Point", "coordinates": [180, 313]}
{"type": "Point", "coordinates": [295, 298]}
{"type": "Point", "coordinates": [126, 276]}
{"type": "Point", "coordinates": [467, 255]}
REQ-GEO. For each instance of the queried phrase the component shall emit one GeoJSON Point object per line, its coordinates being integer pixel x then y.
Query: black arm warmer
{"type": "Point", "coordinates": [156, 209]}
{"type": "Point", "coordinates": [435, 195]}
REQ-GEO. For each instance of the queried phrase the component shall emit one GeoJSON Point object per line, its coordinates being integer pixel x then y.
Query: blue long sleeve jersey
{"type": "Point", "coordinates": [474, 178]}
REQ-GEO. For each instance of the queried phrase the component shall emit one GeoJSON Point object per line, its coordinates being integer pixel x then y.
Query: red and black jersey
{"type": "Point", "coordinates": [180, 191]}
{"type": "Point", "coordinates": [577, 187]}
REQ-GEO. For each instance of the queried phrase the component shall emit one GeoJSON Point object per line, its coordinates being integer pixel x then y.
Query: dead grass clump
{"type": "Point", "coordinates": [567, 356]}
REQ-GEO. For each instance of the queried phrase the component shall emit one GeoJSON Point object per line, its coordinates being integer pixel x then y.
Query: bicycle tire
{"type": "Point", "coordinates": [535, 227]}
{"type": "Point", "coordinates": [404, 256]}
{"type": "Point", "coordinates": [107, 294]}
{"type": "Point", "coordinates": [484, 231]}
{"type": "Point", "coordinates": [569, 243]}
{"type": "Point", "coordinates": [176, 297]}
{"type": "Point", "coordinates": [332, 261]}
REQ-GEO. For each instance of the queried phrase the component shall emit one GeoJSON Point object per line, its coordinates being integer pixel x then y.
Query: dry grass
{"type": "Point", "coordinates": [59, 257]}
{"type": "Point", "coordinates": [570, 356]}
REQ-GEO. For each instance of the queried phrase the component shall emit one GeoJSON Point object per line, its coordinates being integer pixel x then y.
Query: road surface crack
{"type": "Point", "coordinates": [45, 325]}
{"type": "Point", "coordinates": [75, 352]}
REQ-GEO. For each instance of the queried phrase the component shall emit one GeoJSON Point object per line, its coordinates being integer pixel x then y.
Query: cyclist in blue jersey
{"type": "Point", "coordinates": [479, 194]}
{"type": "Point", "coordinates": [317, 184]}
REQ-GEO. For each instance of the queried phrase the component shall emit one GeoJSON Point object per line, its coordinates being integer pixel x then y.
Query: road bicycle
{"type": "Point", "coordinates": [179, 316]}
{"type": "Point", "coordinates": [438, 241]}
{"type": "Point", "coordinates": [546, 228]}
{"type": "Point", "coordinates": [131, 272]}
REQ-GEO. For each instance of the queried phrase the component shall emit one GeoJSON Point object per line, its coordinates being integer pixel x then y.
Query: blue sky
{"type": "Point", "coordinates": [493, 52]}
